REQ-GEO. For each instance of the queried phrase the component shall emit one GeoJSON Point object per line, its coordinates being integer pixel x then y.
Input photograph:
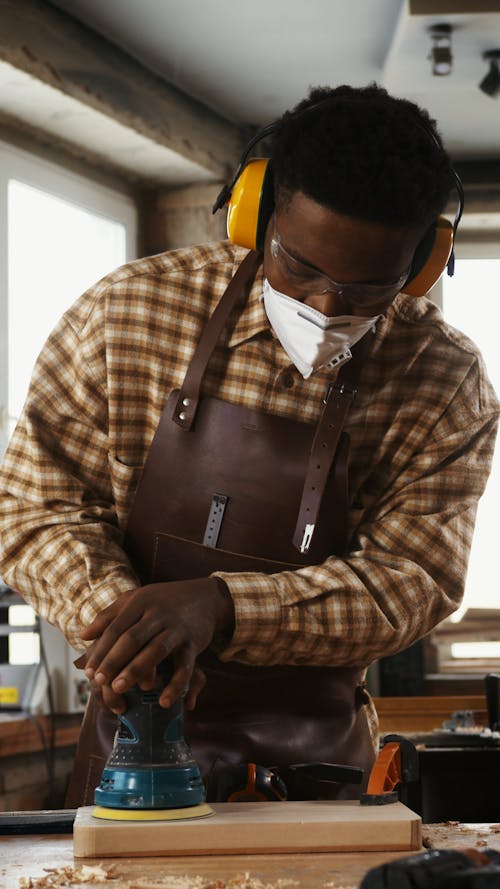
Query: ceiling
{"type": "Point", "coordinates": [250, 61]}
{"type": "Point", "coordinates": [165, 92]}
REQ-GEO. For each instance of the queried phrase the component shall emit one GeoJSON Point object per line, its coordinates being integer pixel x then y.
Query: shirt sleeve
{"type": "Point", "coordinates": [60, 541]}
{"type": "Point", "coordinates": [405, 570]}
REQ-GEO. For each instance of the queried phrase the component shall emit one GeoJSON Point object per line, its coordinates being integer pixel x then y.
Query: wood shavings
{"type": "Point", "coordinates": [72, 878]}
{"type": "Point", "coordinates": [60, 877]}
{"type": "Point", "coordinates": [455, 835]}
{"type": "Point", "coordinates": [338, 886]}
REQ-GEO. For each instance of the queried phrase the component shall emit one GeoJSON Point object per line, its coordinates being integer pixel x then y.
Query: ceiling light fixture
{"type": "Point", "coordinates": [440, 54]}
{"type": "Point", "coordinates": [490, 83]}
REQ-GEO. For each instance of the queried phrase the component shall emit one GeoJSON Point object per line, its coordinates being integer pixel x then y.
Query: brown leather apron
{"type": "Point", "coordinates": [228, 488]}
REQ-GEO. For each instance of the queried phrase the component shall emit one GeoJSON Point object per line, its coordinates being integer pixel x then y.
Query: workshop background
{"type": "Point", "coordinates": [119, 122]}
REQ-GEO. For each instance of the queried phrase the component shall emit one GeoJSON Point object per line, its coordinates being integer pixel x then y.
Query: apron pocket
{"type": "Point", "coordinates": [175, 558]}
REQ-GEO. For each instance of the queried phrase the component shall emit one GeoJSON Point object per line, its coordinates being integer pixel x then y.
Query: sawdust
{"type": "Point", "coordinates": [455, 835]}
{"type": "Point", "coordinates": [339, 886]}
{"type": "Point", "coordinates": [73, 878]}
{"type": "Point", "coordinates": [57, 877]}
{"type": "Point", "coordinates": [242, 881]}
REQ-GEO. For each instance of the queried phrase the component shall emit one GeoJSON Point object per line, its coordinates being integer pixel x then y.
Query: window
{"type": "Point", "coordinates": [470, 303]}
{"type": "Point", "coordinates": [59, 233]}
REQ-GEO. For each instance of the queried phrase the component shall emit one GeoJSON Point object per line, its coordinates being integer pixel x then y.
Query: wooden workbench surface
{"type": "Point", "coordinates": [30, 856]}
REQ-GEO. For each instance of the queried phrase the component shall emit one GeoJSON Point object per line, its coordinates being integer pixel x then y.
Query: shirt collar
{"type": "Point", "coordinates": [252, 318]}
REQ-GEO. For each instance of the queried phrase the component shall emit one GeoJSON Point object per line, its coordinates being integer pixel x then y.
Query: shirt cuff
{"type": "Point", "coordinates": [257, 614]}
{"type": "Point", "coordinates": [98, 597]}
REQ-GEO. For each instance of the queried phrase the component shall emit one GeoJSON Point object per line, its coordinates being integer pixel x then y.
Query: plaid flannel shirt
{"type": "Point", "coordinates": [422, 436]}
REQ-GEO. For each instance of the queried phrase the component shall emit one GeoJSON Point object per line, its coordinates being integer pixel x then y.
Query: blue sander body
{"type": "Point", "coordinates": [151, 766]}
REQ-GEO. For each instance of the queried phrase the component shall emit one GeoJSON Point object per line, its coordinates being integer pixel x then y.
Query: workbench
{"type": "Point", "coordinates": [27, 856]}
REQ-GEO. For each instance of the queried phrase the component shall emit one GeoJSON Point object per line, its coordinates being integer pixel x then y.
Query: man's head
{"type": "Point", "coordinates": [358, 179]}
{"type": "Point", "coordinates": [363, 153]}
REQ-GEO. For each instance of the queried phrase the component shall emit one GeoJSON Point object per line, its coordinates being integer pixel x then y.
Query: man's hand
{"type": "Point", "coordinates": [175, 620]}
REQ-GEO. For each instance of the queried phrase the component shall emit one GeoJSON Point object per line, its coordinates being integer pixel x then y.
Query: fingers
{"type": "Point", "coordinates": [148, 682]}
{"type": "Point", "coordinates": [120, 641]}
{"type": "Point", "coordinates": [184, 665]}
{"type": "Point", "coordinates": [122, 672]}
{"type": "Point", "coordinates": [188, 675]}
{"type": "Point", "coordinates": [99, 624]}
{"type": "Point", "coordinates": [198, 681]}
{"type": "Point", "coordinates": [114, 702]}
{"type": "Point", "coordinates": [82, 661]}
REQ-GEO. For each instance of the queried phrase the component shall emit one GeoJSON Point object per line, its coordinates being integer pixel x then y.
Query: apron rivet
{"type": "Point", "coordinates": [186, 402]}
{"type": "Point", "coordinates": [182, 415]}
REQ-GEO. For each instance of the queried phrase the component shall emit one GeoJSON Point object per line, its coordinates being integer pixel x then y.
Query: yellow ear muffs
{"type": "Point", "coordinates": [250, 205]}
{"type": "Point", "coordinates": [431, 258]}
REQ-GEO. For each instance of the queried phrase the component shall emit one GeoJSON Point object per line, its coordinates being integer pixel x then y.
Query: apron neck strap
{"type": "Point", "coordinates": [189, 395]}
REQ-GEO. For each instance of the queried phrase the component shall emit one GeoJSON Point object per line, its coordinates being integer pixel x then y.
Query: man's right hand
{"type": "Point", "coordinates": [117, 703]}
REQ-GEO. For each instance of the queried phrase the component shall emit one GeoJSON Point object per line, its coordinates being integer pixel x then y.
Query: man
{"type": "Point", "coordinates": [201, 568]}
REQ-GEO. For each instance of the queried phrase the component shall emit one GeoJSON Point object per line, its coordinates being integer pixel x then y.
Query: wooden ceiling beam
{"type": "Point", "coordinates": [51, 46]}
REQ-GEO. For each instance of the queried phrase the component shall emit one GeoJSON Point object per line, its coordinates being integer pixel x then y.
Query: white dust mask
{"type": "Point", "coordinates": [310, 339]}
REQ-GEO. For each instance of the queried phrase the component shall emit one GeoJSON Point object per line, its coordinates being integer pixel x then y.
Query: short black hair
{"type": "Point", "coordinates": [364, 153]}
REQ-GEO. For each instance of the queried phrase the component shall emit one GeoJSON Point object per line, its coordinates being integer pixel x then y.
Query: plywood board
{"type": "Point", "coordinates": [245, 828]}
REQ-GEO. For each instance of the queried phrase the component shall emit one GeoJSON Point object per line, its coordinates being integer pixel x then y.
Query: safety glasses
{"type": "Point", "coordinates": [311, 281]}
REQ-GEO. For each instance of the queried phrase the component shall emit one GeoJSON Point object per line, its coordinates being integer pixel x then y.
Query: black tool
{"type": "Point", "coordinates": [42, 822]}
{"type": "Point", "coordinates": [438, 869]}
{"type": "Point", "coordinates": [492, 688]}
{"type": "Point", "coordinates": [250, 782]}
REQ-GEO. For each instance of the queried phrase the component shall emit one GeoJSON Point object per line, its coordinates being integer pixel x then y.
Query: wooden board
{"type": "Point", "coordinates": [245, 828]}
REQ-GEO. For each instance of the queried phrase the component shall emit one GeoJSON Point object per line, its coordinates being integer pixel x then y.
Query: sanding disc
{"type": "Point", "coordinates": [200, 811]}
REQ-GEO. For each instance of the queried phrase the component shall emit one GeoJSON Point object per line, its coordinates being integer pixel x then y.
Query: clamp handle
{"type": "Point", "coordinates": [396, 764]}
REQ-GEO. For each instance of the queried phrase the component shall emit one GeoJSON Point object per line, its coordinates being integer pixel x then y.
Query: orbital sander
{"type": "Point", "coordinates": [150, 773]}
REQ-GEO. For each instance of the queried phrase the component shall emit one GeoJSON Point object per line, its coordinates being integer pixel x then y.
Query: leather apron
{"type": "Point", "coordinates": [228, 488]}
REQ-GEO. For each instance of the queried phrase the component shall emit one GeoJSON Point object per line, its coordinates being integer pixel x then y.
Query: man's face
{"type": "Point", "coordinates": [339, 265]}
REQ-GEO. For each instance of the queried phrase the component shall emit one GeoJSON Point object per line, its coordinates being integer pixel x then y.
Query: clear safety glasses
{"type": "Point", "coordinates": [311, 281]}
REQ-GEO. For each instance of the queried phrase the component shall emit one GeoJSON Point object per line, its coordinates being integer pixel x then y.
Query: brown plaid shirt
{"type": "Point", "coordinates": [422, 435]}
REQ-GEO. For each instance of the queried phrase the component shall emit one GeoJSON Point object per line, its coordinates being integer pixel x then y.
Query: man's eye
{"type": "Point", "coordinates": [295, 271]}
